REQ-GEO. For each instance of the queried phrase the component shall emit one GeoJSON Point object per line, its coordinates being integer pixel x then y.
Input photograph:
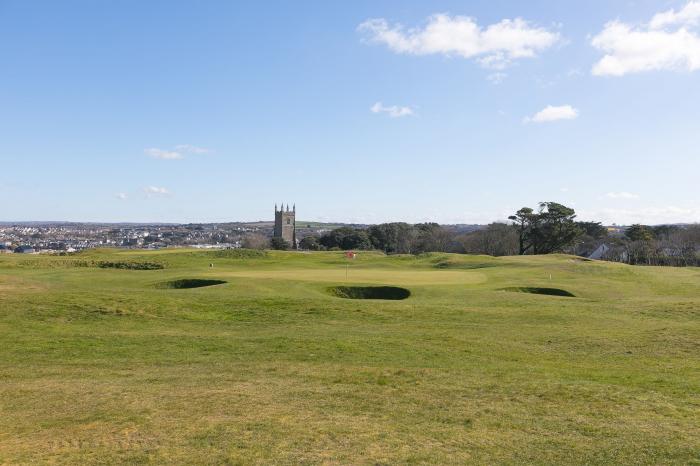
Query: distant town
{"type": "Point", "coordinates": [56, 237]}
{"type": "Point", "coordinates": [66, 237]}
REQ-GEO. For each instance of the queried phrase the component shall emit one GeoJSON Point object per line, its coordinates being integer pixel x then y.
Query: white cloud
{"type": "Point", "coordinates": [494, 46]}
{"type": "Point", "coordinates": [393, 111]}
{"type": "Point", "coordinates": [163, 154]}
{"type": "Point", "coordinates": [121, 196]}
{"type": "Point", "coordinates": [175, 154]}
{"type": "Point", "coordinates": [687, 16]}
{"type": "Point", "coordinates": [155, 191]}
{"type": "Point", "coordinates": [622, 195]}
{"type": "Point", "coordinates": [667, 42]}
{"type": "Point", "coordinates": [552, 113]}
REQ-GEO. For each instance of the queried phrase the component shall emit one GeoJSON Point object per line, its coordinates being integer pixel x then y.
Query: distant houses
{"type": "Point", "coordinates": [24, 250]}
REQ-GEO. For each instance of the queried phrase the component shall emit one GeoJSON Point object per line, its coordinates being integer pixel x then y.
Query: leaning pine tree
{"type": "Point", "coordinates": [551, 229]}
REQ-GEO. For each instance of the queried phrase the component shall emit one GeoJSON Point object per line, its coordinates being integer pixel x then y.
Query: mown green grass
{"type": "Point", "coordinates": [103, 365]}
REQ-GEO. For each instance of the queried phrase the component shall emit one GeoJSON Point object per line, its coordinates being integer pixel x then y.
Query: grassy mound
{"type": "Point", "coordinates": [233, 254]}
{"type": "Point", "coordinates": [392, 293]}
{"type": "Point", "coordinates": [544, 291]}
{"type": "Point", "coordinates": [451, 264]}
{"type": "Point", "coordinates": [186, 283]}
{"type": "Point", "coordinates": [65, 263]}
{"type": "Point", "coordinates": [128, 265]}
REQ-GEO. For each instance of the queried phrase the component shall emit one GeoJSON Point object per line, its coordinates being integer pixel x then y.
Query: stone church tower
{"type": "Point", "coordinates": [285, 224]}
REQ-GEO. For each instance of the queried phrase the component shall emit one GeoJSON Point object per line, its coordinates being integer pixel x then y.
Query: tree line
{"type": "Point", "coordinates": [669, 245]}
{"type": "Point", "coordinates": [551, 228]}
{"type": "Point", "coordinates": [391, 238]}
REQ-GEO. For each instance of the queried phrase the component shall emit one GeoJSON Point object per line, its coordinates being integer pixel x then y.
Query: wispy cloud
{"type": "Point", "coordinates": [495, 46]}
{"type": "Point", "coordinates": [497, 78]}
{"type": "Point", "coordinates": [178, 152]}
{"type": "Point", "coordinates": [652, 215]}
{"type": "Point", "coordinates": [156, 191]}
{"type": "Point", "coordinates": [162, 154]}
{"type": "Point", "coordinates": [553, 113]}
{"type": "Point", "coordinates": [121, 196]}
{"type": "Point", "coordinates": [670, 41]}
{"type": "Point", "coordinates": [394, 111]}
{"type": "Point", "coordinates": [190, 149]}
{"type": "Point", "coordinates": [622, 195]}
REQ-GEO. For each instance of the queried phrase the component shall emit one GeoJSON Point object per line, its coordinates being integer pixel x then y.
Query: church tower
{"type": "Point", "coordinates": [285, 224]}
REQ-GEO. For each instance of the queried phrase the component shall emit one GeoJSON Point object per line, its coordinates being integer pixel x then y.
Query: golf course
{"type": "Point", "coordinates": [187, 356]}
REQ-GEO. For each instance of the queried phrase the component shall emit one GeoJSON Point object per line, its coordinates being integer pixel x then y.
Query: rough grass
{"type": "Point", "coordinates": [97, 366]}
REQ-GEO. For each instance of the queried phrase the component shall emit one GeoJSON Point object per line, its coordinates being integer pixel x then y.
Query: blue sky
{"type": "Point", "coordinates": [363, 111]}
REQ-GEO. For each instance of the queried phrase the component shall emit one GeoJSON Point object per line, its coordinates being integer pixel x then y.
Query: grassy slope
{"type": "Point", "coordinates": [100, 365]}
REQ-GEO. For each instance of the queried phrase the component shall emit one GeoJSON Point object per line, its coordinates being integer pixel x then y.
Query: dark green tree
{"type": "Point", "coordinates": [391, 238]}
{"type": "Point", "coordinates": [310, 243]}
{"type": "Point", "coordinates": [524, 220]}
{"type": "Point", "coordinates": [346, 238]}
{"type": "Point", "coordinates": [556, 228]}
{"type": "Point", "coordinates": [640, 233]}
{"type": "Point", "coordinates": [550, 230]}
{"type": "Point", "coordinates": [279, 243]}
{"type": "Point", "coordinates": [595, 230]}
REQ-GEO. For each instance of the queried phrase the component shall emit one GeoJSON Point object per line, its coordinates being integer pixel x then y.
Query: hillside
{"type": "Point", "coordinates": [158, 357]}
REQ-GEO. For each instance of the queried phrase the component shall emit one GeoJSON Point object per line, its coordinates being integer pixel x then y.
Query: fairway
{"type": "Point", "coordinates": [247, 357]}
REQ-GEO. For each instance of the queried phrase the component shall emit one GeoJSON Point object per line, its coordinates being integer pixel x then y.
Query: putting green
{"type": "Point", "coordinates": [362, 275]}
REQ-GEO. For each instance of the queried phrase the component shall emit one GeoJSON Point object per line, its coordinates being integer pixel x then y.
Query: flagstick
{"type": "Point", "coordinates": [348, 256]}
